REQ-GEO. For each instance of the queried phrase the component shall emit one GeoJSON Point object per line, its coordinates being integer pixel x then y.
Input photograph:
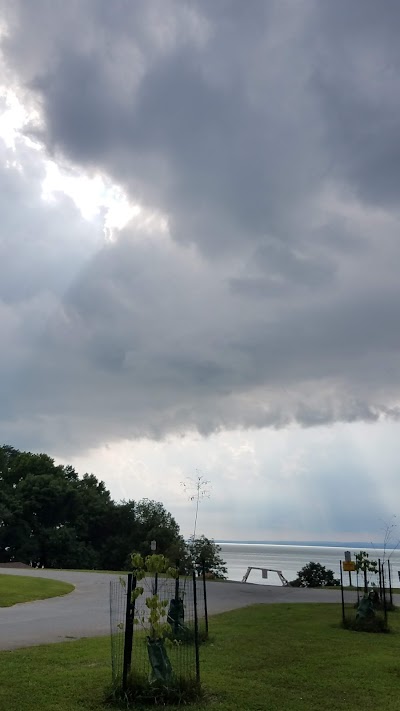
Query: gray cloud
{"type": "Point", "coordinates": [269, 140]}
{"type": "Point", "coordinates": [212, 119]}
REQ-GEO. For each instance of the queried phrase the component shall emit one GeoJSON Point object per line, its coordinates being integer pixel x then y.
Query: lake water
{"type": "Point", "coordinates": [290, 558]}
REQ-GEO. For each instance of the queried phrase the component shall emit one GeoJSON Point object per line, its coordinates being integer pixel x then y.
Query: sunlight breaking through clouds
{"type": "Point", "coordinates": [94, 195]}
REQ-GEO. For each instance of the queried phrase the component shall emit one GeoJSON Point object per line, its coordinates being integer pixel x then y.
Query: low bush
{"type": "Point", "coordinates": [367, 624]}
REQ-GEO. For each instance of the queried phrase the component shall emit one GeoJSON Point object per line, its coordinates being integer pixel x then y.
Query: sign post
{"type": "Point", "coordinates": [348, 564]}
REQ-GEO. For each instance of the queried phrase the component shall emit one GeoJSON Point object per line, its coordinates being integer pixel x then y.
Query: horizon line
{"type": "Point", "coordinates": [336, 544]}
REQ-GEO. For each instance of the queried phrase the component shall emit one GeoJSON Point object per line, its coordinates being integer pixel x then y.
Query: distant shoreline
{"type": "Point", "coordinates": [316, 544]}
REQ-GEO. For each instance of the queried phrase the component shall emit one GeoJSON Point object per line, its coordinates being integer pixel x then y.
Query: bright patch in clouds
{"type": "Point", "coordinates": [12, 118]}
{"type": "Point", "coordinates": [96, 196]}
{"type": "Point", "coordinates": [92, 196]}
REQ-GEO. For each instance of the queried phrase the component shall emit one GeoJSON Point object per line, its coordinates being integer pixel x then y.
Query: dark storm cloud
{"type": "Point", "coordinates": [267, 135]}
{"type": "Point", "coordinates": [223, 123]}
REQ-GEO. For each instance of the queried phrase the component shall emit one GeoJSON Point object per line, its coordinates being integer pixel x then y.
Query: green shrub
{"type": "Point", "coordinates": [315, 575]}
{"type": "Point", "coordinates": [368, 624]}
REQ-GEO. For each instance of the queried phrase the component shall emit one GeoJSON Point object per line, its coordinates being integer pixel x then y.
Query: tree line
{"type": "Point", "coordinates": [51, 517]}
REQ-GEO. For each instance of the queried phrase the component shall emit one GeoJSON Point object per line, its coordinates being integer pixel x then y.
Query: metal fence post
{"type": "Point", "coordinates": [390, 584]}
{"type": "Point", "coordinates": [177, 565]}
{"type": "Point", "coordinates": [196, 628]}
{"type": "Point", "coordinates": [128, 632]}
{"type": "Point", "coordinates": [342, 591]}
{"type": "Point", "coordinates": [384, 595]}
{"type": "Point", "coordinates": [203, 566]}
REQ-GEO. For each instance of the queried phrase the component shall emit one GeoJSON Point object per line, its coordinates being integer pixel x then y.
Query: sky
{"type": "Point", "coordinates": [200, 258]}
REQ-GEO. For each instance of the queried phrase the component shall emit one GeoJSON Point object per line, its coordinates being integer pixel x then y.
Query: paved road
{"type": "Point", "coordinates": [85, 612]}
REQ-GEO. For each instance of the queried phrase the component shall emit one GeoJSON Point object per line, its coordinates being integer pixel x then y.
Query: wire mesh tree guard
{"type": "Point", "coordinates": [365, 607]}
{"type": "Point", "coordinates": [157, 624]}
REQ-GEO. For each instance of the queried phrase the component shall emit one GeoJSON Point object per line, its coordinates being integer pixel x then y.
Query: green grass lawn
{"type": "Point", "coordinates": [272, 657]}
{"type": "Point", "coordinates": [23, 588]}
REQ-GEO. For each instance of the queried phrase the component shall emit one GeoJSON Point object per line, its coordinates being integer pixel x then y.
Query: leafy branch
{"type": "Point", "coordinates": [155, 617]}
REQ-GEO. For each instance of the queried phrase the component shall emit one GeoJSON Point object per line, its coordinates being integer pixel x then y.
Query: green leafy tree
{"type": "Point", "coordinates": [155, 523]}
{"type": "Point", "coordinates": [120, 536]}
{"type": "Point", "coordinates": [49, 516]}
{"type": "Point", "coordinates": [205, 549]}
{"type": "Point", "coordinates": [40, 499]}
{"type": "Point", "coordinates": [315, 575]}
{"type": "Point", "coordinates": [365, 566]}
